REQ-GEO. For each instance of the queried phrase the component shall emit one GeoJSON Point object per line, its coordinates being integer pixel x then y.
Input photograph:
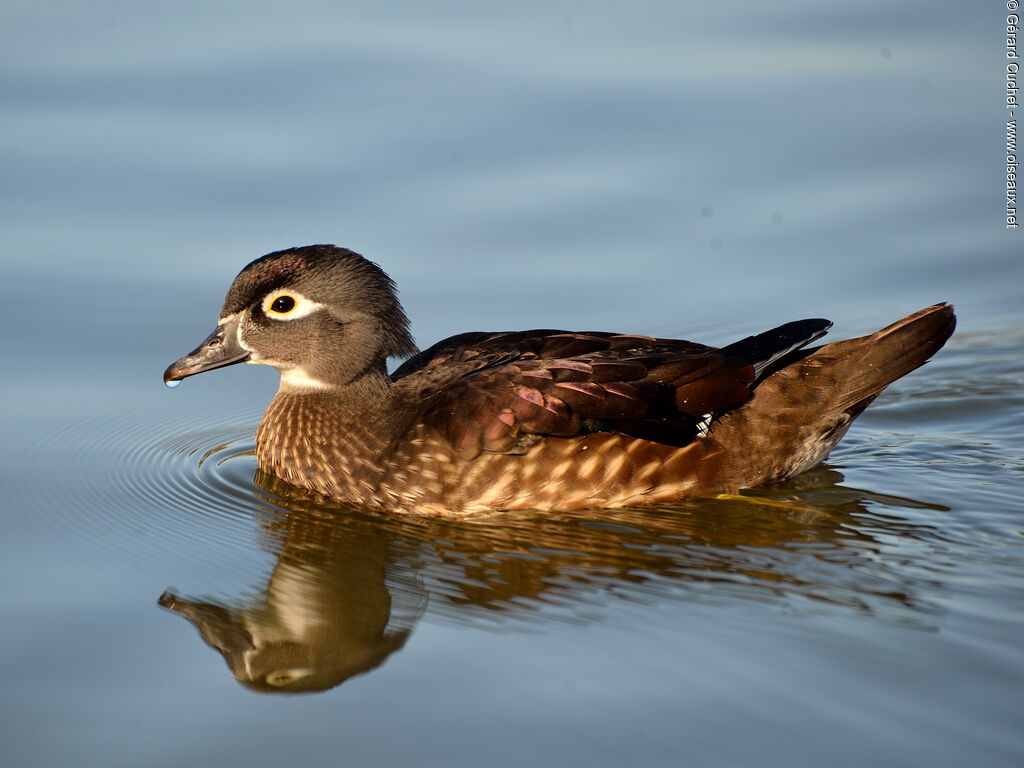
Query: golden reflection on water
{"type": "Point", "coordinates": [348, 586]}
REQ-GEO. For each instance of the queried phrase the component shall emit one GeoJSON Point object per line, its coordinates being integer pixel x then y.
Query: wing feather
{"type": "Point", "coordinates": [501, 392]}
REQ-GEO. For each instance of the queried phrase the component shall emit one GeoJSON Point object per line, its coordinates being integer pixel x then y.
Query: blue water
{"type": "Point", "coordinates": [661, 168]}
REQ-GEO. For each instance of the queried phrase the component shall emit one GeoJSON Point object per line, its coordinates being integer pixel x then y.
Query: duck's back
{"type": "Point", "coordinates": [558, 419]}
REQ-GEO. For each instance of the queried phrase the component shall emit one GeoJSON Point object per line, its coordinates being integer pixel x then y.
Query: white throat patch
{"type": "Point", "coordinates": [298, 379]}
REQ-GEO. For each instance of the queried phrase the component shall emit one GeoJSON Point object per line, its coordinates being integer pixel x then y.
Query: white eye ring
{"type": "Point", "coordinates": [286, 304]}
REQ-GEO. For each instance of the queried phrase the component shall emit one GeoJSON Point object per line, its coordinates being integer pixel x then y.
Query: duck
{"type": "Point", "coordinates": [543, 419]}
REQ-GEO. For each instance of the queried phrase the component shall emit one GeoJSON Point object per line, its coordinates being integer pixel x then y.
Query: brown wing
{"type": "Point", "coordinates": [500, 392]}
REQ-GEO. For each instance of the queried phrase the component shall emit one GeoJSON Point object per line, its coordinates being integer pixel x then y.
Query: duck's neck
{"type": "Point", "coordinates": [333, 440]}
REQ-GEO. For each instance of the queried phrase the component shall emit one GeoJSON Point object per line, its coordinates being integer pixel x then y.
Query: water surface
{"type": "Point", "coordinates": [662, 169]}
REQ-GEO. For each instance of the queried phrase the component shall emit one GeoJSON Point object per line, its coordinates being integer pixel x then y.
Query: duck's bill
{"type": "Point", "coordinates": [218, 349]}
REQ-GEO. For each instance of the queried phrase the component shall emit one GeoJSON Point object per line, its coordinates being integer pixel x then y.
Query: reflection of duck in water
{"type": "Point", "coordinates": [332, 607]}
{"type": "Point", "coordinates": [535, 419]}
{"type": "Point", "coordinates": [348, 585]}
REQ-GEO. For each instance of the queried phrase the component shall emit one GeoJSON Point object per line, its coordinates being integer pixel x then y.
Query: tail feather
{"type": "Point", "coordinates": [871, 363]}
{"type": "Point", "coordinates": [808, 403]}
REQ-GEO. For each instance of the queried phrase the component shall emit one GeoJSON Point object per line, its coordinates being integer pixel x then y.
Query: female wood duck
{"type": "Point", "coordinates": [539, 419]}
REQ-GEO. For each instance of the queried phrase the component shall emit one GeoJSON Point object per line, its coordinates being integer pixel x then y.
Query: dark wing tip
{"type": "Point", "coordinates": [766, 348]}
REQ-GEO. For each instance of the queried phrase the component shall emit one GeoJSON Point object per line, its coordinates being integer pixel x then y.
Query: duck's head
{"type": "Point", "coordinates": [323, 316]}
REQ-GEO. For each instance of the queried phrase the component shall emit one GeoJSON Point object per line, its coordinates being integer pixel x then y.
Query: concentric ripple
{"type": "Point", "coordinates": [153, 487]}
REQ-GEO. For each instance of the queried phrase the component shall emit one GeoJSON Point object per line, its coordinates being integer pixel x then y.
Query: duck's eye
{"type": "Point", "coordinates": [286, 304]}
{"type": "Point", "coordinates": [282, 305]}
